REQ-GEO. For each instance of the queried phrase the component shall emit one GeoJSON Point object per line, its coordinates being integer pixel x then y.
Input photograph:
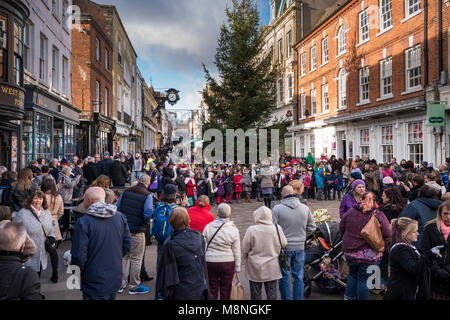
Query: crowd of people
{"type": "Point", "coordinates": [126, 202]}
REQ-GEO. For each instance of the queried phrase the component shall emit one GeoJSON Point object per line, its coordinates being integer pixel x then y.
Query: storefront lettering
{"type": "Point", "coordinates": [11, 96]}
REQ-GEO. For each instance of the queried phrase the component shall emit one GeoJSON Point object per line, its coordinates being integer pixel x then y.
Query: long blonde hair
{"type": "Point", "coordinates": [401, 227]}
{"type": "Point", "coordinates": [438, 219]}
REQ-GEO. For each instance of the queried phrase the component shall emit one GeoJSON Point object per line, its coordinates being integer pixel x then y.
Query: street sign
{"type": "Point", "coordinates": [435, 114]}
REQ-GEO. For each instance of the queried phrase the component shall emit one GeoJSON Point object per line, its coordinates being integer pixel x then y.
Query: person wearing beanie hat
{"type": "Point", "coordinates": [388, 181]}
{"type": "Point", "coordinates": [352, 198]}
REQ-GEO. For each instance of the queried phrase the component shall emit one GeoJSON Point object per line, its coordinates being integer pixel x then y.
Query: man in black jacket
{"type": "Point", "coordinates": [136, 203]}
{"type": "Point", "coordinates": [105, 165]}
{"type": "Point", "coordinates": [119, 174]}
{"type": "Point", "coordinates": [90, 171]}
{"type": "Point", "coordinates": [17, 282]}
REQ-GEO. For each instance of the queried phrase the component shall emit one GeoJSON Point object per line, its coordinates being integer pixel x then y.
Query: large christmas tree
{"type": "Point", "coordinates": [244, 96]}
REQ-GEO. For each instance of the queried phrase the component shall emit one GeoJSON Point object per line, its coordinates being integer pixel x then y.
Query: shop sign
{"type": "Point", "coordinates": [436, 114]}
{"type": "Point", "coordinates": [85, 116]}
{"type": "Point", "coordinates": [10, 96]}
{"type": "Point", "coordinates": [122, 131]}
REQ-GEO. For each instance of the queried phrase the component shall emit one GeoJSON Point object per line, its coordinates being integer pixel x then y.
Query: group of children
{"type": "Point", "coordinates": [320, 181]}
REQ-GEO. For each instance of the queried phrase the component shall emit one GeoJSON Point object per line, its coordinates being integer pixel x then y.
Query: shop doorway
{"type": "Point", "coordinates": [58, 139]}
{"type": "Point", "coordinates": [5, 148]}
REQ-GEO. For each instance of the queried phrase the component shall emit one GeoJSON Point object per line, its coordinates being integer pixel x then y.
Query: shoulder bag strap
{"type": "Point", "coordinates": [214, 235]}
{"type": "Point", "coordinates": [279, 239]}
{"type": "Point", "coordinates": [34, 215]}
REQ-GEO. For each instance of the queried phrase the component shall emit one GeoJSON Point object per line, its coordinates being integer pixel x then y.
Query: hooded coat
{"type": "Point", "coordinates": [182, 271]}
{"type": "Point", "coordinates": [296, 220]}
{"type": "Point", "coordinates": [101, 239]}
{"type": "Point", "coordinates": [422, 210]}
{"type": "Point", "coordinates": [261, 248]}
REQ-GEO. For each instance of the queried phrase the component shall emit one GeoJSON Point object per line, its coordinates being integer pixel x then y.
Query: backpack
{"type": "Point", "coordinates": [161, 228]}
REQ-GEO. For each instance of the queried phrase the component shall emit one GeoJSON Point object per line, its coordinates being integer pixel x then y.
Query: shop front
{"type": "Point", "coordinates": [95, 134]}
{"type": "Point", "coordinates": [49, 126]}
{"type": "Point", "coordinates": [121, 138]}
{"type": "Point", "coordinates": [13, 13]}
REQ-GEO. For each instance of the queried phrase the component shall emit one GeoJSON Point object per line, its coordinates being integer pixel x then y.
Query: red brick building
{"type": "Point", "coordinates": [363, 77]}
{"type": "Point", "coordinates": [92, 80]}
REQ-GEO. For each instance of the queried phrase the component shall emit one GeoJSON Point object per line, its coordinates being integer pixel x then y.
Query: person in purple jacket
{"type": "Point", "coordinates": [358, 253]}
{"type": "Point", "coordinates": [353, 197]}
{"type": "Point", "coordinates": [220, 186]}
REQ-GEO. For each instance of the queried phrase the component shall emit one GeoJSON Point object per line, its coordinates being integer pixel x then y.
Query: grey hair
{"type": "Point", "coordinates": [144, 179]}
{"type": "Point", "coordinates": [90, 159]}
{"type": "Point", "coordinates": [66, 170]}
{"type": "Point", "coordinates": [12, 236]}
{"type": "Point", "coordinates": [224, 211]}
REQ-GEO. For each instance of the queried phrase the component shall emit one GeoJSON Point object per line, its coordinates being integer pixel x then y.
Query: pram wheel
{"type": "Point", "coordinates": [307, 291]}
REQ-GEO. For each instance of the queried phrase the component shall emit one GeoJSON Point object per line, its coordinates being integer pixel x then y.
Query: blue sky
{"type": "Point", "coordinates": [173, 38]}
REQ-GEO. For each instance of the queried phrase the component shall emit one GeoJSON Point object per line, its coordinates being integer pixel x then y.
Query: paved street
{"type": "Point", "coordinates": [243, 218]}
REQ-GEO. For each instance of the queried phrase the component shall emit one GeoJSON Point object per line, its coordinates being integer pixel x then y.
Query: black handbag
{"type": "Point", "coordinates": [282, 258]}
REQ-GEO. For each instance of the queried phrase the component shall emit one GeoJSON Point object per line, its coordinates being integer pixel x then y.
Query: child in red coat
{"type": "Point", "coordinates": [237, 185]}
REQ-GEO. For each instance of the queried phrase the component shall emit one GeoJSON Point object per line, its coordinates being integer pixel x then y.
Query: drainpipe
{"type": "Point", "coordinates": [425, 45]}
{"type": "Point", "coordinates": [440, 41]}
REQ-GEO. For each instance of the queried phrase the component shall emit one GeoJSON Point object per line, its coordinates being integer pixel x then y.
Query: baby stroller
{"type": "Point", "coordinates": [324, 256]}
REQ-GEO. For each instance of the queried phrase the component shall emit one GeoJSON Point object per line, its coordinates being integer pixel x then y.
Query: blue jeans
{"type": "Point", "coordinates": [137, 174]}
{"type": "Point", "coordinates": [296, 261]}
{"type": "Point", "coordinates": [111, 297]}
{"type": "Point", "coordinates": [356, 287]}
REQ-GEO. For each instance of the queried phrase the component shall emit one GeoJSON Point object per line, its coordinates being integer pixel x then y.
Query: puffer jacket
{"type": "Point", "coordinates": [261, 248]}
{"type": "Point", "coordinates": [226, 245]}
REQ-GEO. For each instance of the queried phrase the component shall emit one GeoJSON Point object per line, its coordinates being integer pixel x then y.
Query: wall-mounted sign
{"type": "Point", "coordinates": [436, 114]}
{"type": "Point", "coordinates": [10, 96]}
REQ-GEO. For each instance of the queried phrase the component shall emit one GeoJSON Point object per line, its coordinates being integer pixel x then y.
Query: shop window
{"type": "Point", "coordinates": [18, 54]}
{"type": "Point", "coordinates": [3, 46]}
{"type": "Point", "coordinates": [69, 140]}
{"type": "Point", "coordinates": [415, 142]}
{"type": "Point", "coordinates": [387, 141]}
{"type": "Point", "coordinates": [43, 136]}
